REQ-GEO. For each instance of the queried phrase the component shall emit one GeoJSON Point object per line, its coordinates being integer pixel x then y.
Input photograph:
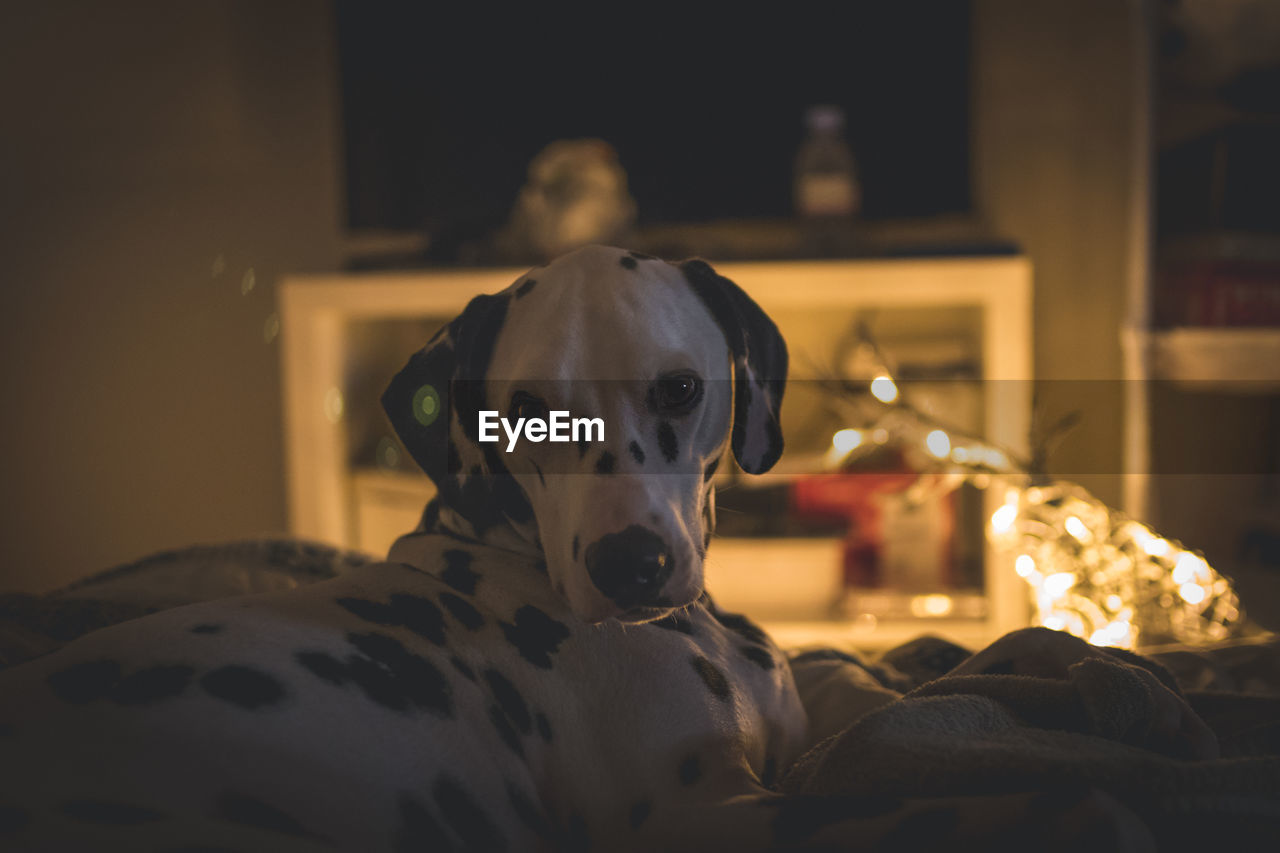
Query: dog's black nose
{"type": "Point", "coordinates": [630, 567]}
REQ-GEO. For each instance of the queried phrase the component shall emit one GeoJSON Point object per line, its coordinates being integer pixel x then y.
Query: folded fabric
{"type": "Point", "coordinates": [1109, 725]}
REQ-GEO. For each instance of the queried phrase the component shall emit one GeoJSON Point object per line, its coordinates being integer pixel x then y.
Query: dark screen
{"type": "Point", "coordinates": [444, 110]}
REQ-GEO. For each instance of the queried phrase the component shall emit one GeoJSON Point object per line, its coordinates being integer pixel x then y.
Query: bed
{"type": "Point", "coordinates": [900, 722]}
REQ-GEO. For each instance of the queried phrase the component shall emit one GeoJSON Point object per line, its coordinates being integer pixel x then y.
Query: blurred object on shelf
{"type": "Point", "coordinates": [826, 174]}
{"type": "Point", "coordinates": [1219, 279]}
{"type": "Point", "coordinates": [895, 540]}
{"type": "Point", "coordinates": [576, 194]}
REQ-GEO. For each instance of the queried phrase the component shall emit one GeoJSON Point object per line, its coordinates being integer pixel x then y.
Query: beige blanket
{"type": "Point", "coordinates": [1107, 725]}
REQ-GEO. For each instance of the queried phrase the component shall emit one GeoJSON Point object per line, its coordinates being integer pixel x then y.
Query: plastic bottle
{"type": "Point", "coordinates": [826, 175]}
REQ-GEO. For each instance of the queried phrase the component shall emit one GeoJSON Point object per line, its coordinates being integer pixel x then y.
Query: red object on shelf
{"type": "Point", "coordinates": [873, 553]}
{"type": "Point", "coordinates": [1222, 292]}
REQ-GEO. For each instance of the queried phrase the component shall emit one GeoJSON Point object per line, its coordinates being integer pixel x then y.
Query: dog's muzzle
{"type": "Point", "coordinates": [631, 567]}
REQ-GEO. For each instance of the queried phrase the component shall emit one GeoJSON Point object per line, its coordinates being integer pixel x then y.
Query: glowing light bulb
{"type": "Point", "coordinates": [1192, 593]}
{"type": "Point", "coordinates": [1003, 518]}
{"type": "Point", "coordinates": [1188, 567]}
{"type": "Point", "coordinates": [1057, 584]}
{"type": "Point", "coordinates": [1077, 529]}
{"type": "Point", "coordinates": [884, 389]}
{"type": "Point", "coordinates": [1114, 602]}
{"type": "Point", "coordinates": [846, 440]}
{"type": "Point", "coordinates": [938, 444]}
{"type": "Point", "coordinates": [1025, 565]}
{"type": "Point", "coordinates": [1156, 547]}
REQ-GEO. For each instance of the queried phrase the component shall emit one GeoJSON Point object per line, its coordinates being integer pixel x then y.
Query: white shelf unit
{"type": "Point", "coordinates": [324, 490]}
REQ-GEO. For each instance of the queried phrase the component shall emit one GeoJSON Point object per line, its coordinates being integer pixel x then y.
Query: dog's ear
{"type": "Point", "coordinates": [759, 366]}
{"type": "Point", "coordinates": [442, 384]}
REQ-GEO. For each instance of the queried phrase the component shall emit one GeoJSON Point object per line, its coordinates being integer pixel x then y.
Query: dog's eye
{"type": "Point", "coordinates": [678, 393]}
{"type": "Point", "coordinates": [527, 406]}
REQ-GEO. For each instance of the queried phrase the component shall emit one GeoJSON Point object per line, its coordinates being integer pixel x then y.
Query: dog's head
{"type": "Point", "coordinates": [672, 360]}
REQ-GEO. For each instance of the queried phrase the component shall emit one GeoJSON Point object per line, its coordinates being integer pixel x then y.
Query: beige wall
{"type": "Point", "coordinates": [152, 154]}
{"type": "Point", "coordinates": [1060, 116]}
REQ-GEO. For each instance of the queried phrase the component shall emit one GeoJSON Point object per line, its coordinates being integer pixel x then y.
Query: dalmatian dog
{"type": "Point", "coordinates": [535, 667]}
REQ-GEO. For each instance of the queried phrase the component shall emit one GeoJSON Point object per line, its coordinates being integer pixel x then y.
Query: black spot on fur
{"type": "Point", "coordinates": [152, 684]}
{"type": "Point", "coordinates": [506, 731]}
{"type": "Point", "coordinates": [457, 571]}
{"type": "Point", "coordinates": [639, 813]}
{"type": "Point", "coordinates": [461, 610]}
{"type": "Point", "coordinates": [743, 627]}
{"type": "Point", "coordinates": [528, 811]}
{"type": "Point", "coordinates": [84, 682]}
{"type": "Point", "coordinates": [510, 700]}
{"type": "Point", "coordinates": [667, 442]}
{"type": "Point", "coordinates": [637, 452]}
{"type": "Point", "coordinates": [370, 611]}
{"type": "Point", "coordinates": [710, 470]}
{"type": "Point", "coordinates": [461, 666]}
{"type": "Point", "coordinates": [395, 678]}
{"type": "Point", "coordinates": [420, 615]}
{"type": "Point", "coordinates": [243, 686]}
{"type": "Point", "coordinates": [604, 465]}
{"type": "Point", "coordinates": [674, 622]}
{"type": "Point", "coordinates": [690, 770]}
{"type": "Point", "coordinates": [12, 819]}
{"type": "Point", "coordinates": [250, 811]}
{"type": "Point", "coordinates": [419, 831]}
{"type": "Point", "coordinates": [109, 813]}
{"type": "Point", "coordinates": [628, 262]}
{"type": "Point", "coordinates": [769, 773]}
{"type": "Point", "coordinates": [800, 816]}
{"type": "Point", "coordinates": [575, 546]}
{"type": "Point", "coordinates": [465, 817]}
{"type": "Point", "coordinates": [525, 287]}
{"type": "Point", "coordinates": [544, 726]}
{"type": "Point", "coordinates": [758, 656]}
{"type": "Point", "coordinates": [206, 628]}
{"type": "Point", "coordinates": [535, 635]}
{"type": "Point", "coordinates": [324, 666]}
{"type": "Point", "coordinates": [712, 677]}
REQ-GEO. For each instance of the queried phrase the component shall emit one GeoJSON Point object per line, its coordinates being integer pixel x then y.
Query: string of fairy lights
{"type": "Point", "coordinates": [1090, 569]}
